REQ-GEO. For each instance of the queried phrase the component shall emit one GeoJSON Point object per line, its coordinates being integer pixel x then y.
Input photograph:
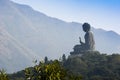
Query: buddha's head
{"type": "Point", "coordinates": [86, 27]}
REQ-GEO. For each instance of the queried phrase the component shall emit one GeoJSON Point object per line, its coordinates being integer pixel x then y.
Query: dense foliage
{"type": "Point", "coordinates": [48, 70]}
{"type": "Point", "coordinates": [95, 66]}
{"type": "Point", "coordinates": [3, 75]}
{"type": "Point", "coordinates": [88, 66]}
{"type": "Point", "coordinates": [43, 71]}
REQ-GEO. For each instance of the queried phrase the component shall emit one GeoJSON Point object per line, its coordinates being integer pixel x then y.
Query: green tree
{"type": "Point", "coordinates": [46, 59]}
{"type": "Point", "coordinates": [3, 75]}
{"type": "Point", "coordinates": [63, 57]}
{"type": "Point", "coordinates": [43, 71]}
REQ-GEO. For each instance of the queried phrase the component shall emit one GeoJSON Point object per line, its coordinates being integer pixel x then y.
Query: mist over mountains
{"type": "Point", "coordinates": [26, 34]}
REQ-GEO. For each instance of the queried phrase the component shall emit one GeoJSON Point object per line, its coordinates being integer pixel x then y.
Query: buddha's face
{"type": "Point", "coordinates": [86, 29]}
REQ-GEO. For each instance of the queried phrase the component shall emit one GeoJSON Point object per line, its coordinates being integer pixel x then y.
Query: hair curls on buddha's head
{"type": "Point", "coordinates": [86, 27]}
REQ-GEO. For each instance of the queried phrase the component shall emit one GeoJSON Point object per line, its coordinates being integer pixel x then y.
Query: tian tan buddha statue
{"type": "Point", "coordinates": [88, 45]}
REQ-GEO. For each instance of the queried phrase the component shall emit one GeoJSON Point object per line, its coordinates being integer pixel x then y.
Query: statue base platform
{"type": "Point", "coordinates": [73, 54]}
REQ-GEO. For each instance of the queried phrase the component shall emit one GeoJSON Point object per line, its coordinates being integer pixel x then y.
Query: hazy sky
{"type": "Point", "coordinates": [103, 14]}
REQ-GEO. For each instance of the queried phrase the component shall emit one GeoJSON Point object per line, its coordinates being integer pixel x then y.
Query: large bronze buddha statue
{"type": "Point", "coordinates": [89, 44]}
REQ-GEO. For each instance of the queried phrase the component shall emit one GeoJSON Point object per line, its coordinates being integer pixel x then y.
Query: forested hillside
{"type": "Point", "coordinates": [89, 66]}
